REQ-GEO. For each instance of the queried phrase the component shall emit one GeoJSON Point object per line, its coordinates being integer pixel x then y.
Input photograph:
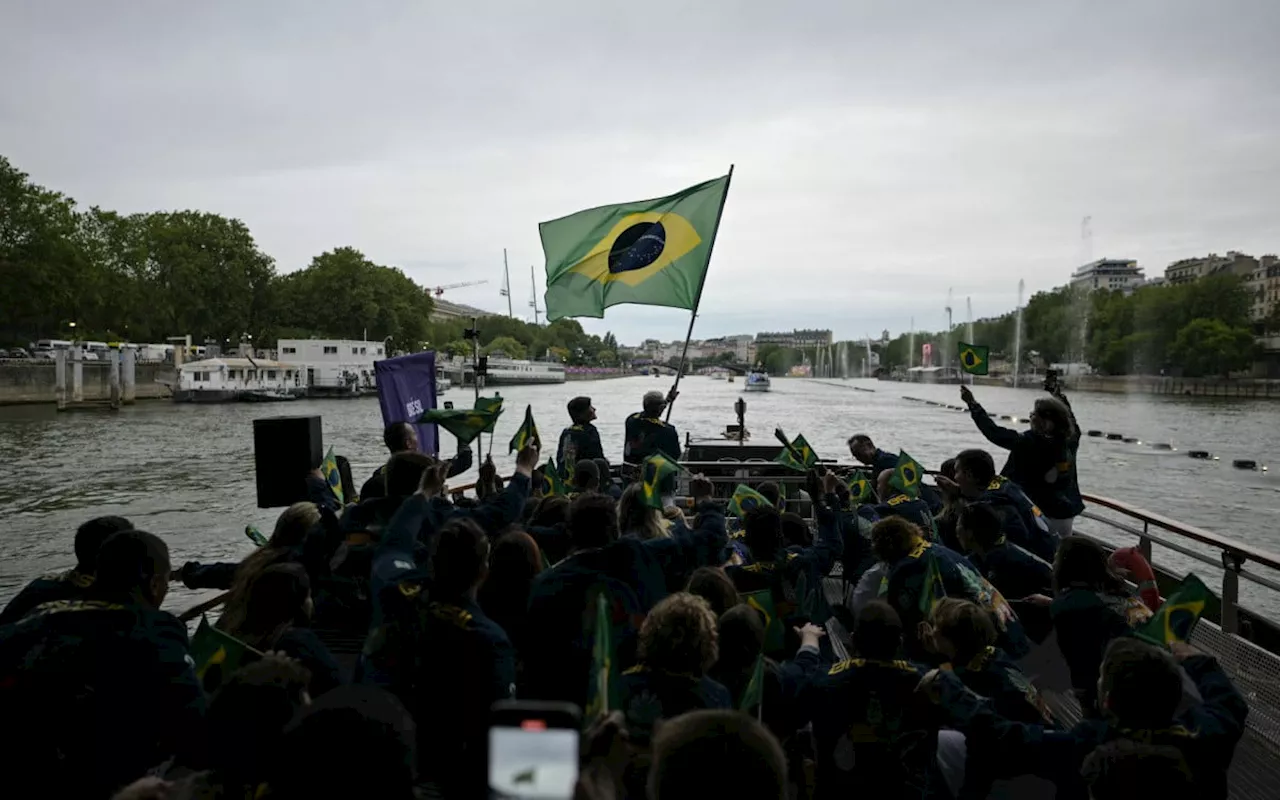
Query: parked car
{"type": "Point", "coordinates": [18, 352]}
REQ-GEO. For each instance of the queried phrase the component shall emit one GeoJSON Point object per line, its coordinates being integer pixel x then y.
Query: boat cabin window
{"type": "Point", "coordinates": [289, 349]}
{"type": "Point", "coordinates": [378, 352]}
{"type": "Point", "coordinates": [363, 350]}
{"type": "Point", "coordinates": [333, 350]}
{"type": "Point", "coordinates": [233, 374]}
{"type": "Point", "coordinates": [271, 374]}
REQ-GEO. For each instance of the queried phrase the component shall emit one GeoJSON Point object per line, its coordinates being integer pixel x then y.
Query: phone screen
{"type": "Point", "coordinates": [528, 759]}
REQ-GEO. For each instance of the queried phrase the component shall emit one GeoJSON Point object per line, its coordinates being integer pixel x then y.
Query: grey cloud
{"type": "Point", "coordinates": [884, 151]}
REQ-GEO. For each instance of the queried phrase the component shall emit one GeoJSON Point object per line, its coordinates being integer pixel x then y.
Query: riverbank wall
{"type": "Point", "coordinates": [24, 382]}
{"type": "Point", "coordinates": [1259, 388]}
{"type": "Point", "coordinates": [595, 373]}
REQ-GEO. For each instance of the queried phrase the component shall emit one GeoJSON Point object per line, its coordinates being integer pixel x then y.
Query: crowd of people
{"type": "Point", "coordinates": [827, 643]}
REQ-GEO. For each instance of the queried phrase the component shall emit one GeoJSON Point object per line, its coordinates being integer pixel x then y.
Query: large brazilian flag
{"type": "Point", "coordinates": [651, 252]}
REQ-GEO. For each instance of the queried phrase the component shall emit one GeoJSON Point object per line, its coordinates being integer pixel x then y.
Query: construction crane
{"type": "Point", "coordinates": [439, 290]}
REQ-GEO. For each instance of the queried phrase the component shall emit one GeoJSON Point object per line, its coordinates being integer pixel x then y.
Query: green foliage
{"type": "Point", "coordinates": [507, 346]}
{"type": "Point", "coordinates": [1212, 347]}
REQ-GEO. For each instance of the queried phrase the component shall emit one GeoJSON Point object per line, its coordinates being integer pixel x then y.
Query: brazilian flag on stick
{"type": "Point", "coordinates": [493, 404]}
{"type": "Point", "coordinates": [601, 694]}
{"type": "Point", "coordinates": [906, 475]}
{"type": "Point", "coordinates": [1177, 618]}
{"type": "Point", "coordinates": [807, 458]}
{"type": "Point", "coordinates": [464, 423]}
{"type": "Point", "coordinates": [649, 252]}
{"type": "Point", "coordinates": [217, 655]}
{"type": "Point", "coordinates": [331, 474]}
{"type": "Point", "coordinates": [753, 695]}
{"type": "Point", "coordinates": [861, 489]}
{"type": "Point", "coordinates": [744, 499]}
{"type": "Point", "coordinates": [551, 483]}
{"type": "Point", "coordinates": [974, 359]}
{"type": "Point", "coordinates": [527, 434]}
{"type": "Point", "coordinates": [655, 470]}
{"type": "Point", "coordinates": [762, 601]}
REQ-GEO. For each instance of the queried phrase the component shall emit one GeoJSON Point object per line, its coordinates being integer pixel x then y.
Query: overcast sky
{"type": "Point", "coordinates": [884, 151]}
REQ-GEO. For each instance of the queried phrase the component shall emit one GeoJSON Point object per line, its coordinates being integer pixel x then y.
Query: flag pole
{"type": "Point", "coordinates": [693, 315]}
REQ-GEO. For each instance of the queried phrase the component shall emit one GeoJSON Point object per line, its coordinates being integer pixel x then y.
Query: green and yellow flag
{"type": "Point", "coordinates": [602, 690]}
{"type": "Point", "coordinates": [906, 475]}
{"type": "Point", "coordinates": [753, 695]}
{"type": "Point", "coordinates": [974, 358]}
{"type": "Point", "coordinates": [493, 404]}
{"type": "Point", "coordinates": [786, 459]}
{"type": "Point", "coordinates": [464, 423]}
{"type": "Point", "coordinates": [329, 467]}
{"type": "Point", "coordinates": [656, 469]}
{"type": "Point", "coordinates": [762, 601]}
{"type": "Point", "coordinates": [650, 252]}
{"type": "Point", "coordinates": [217, 655]}
{"type": "Point", "coordinates": [933, 589]}
{"type": "Point", "coordinates": [861, 489]}
{"type": "Point", "coordinates": [1177, 618]}
{"type": "Point", "coordinates": [255, 535]}
{"type": "Point", "coordinates": [744, 499]}
{"type": "Point", "coordinates": [551, 483]}
{"type": "Point", "coordinates": [527, 434]}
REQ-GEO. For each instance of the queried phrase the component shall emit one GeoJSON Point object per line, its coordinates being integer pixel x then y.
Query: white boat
{"type": "Point", "coordinates": [443, 384]}
{"type": "Point", "coordinates": [517, 372]}
{"type": "Point", "coordinates": [334, 367]}
{"type": "Point", "coordinates": [226, 380]}
{"type": "Point", "coordinates": [757, 381]}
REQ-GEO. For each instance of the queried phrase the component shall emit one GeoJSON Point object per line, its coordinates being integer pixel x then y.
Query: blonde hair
{"type": "Point", "coordinates": [965, 624]}
{"type": "Point", "coordinates": [680, 636]}
{"type": "Point", "coordinates": [637, 519]}
{"type": "Point", "coordinates": [290, 530]}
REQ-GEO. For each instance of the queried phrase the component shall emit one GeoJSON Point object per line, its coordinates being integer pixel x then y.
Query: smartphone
{"type": "Point", "coordinates": [533, 750]}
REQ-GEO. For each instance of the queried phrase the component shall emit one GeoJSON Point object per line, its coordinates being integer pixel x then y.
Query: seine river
{"type": "Point", "coordinates": [185, 472]}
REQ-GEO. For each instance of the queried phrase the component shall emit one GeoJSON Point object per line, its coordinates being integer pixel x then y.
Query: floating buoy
{"type": "Point", "coordinates": [1245, 463]}
{"type": "Point", "coordinates": [1131, 440]}
{"type": "Point", "coordinates": [1115, 437]}
{"type": "Point", "coordinates": [1201, 454]}
{"type": "Point", "coordinates": [1095, 433]}
{"type": "Point", "coordinates": [1162, 446]}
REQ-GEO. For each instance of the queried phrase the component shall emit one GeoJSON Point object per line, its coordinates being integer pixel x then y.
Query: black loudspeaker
{"type": "Point", "coordinates": [285, 450]}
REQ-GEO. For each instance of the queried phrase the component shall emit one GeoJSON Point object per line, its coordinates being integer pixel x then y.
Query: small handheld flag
{"type": "Point", "coordinates": [933, 589]}
{"type": "Point", "coordinates": [255, 535]}
{"type": "Point", "coordinates": [974, 358]}
{"type": "Point", "coordinates": [1177, 618]}
{"type": "Point", "coordinates": [798, 456]}
{"type": "Point", "coordinates": [861, 489]}
{"type": "Point", "coordinates": [653, 472]}
{"type": "Point", "coordinates": [464, 423]}
{"type": "Point", "coordinates": [491, 404]}
{"type": "Point", "coordinates": [551, 483]}
{"type": "Point", "coordinates": [744, 499]}
{"type": "Point", "coordinates": [753, 695]}
{"type": "Point", "coordinates": [331, 474]}
{"type": "Point", "coordinates": [906, 475]}
{"type": "Point", "coordinates": [762, 601]}
{"type": "Point", "coordinates": [217, 655]}
{"type": "Point", "coordinates": [527, 433]}
{"type": "Point", "coordinates": [602, 661]}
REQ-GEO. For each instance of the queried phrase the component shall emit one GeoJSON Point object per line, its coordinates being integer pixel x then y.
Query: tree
{"type": "Point", "coordinates": [1211, 347]}
{"type": "Point", "coordinates": [505, 345]}
{"type": "Point", "coordinates": [458, 347]}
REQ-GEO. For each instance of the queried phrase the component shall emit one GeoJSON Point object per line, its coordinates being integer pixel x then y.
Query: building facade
{"type": "Point", "coordinates": [1189, 270]}
{"type": "Point", "coordinates": [332, 364]}
{"type": "Point", "coordinates": [796, 338]}
{"type": "Point", "coordinates": [1114, 274]}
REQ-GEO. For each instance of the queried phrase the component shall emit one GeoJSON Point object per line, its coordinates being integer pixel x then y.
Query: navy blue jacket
{"type": "Point", "coordinates": [648, 696]}
{"type": "Point", "coordinates": [583, 441]}
{"type": "Point", "coordinates": [644, 436]}
{"type": "Point", "coordinates": [1023, 523]}
{"type": "Point", "coordinates": [1016, 572]}
{"type": "Point", "coordinates": [69, 585]}
{"type": "Point", "coordinates": [911, 509]}
{"type": "Point", "coordinates": [1033, 457]}
{"type": "Point", "coordinates": [97, 691]}
{"type": "Point", "coordinates": [1086, 621]}
{"type": "Point", "coordinates": [635, 573]}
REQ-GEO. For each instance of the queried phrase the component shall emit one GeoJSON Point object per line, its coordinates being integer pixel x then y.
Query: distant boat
{"type": "Point", "coordinates": [266, 396]}
{"type": "Point", "coordinates": [757, 381]}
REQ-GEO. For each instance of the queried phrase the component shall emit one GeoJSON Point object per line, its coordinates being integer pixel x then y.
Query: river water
{"type": "Point", "coordinates": [185, 472]}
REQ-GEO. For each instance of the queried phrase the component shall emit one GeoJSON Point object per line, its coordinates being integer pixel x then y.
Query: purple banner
{"type": "Point", "coordinates": [406, 389]}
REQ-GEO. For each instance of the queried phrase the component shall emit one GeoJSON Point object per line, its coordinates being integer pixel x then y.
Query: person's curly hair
{"type": "Point", "coordinates": [679, 636]}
